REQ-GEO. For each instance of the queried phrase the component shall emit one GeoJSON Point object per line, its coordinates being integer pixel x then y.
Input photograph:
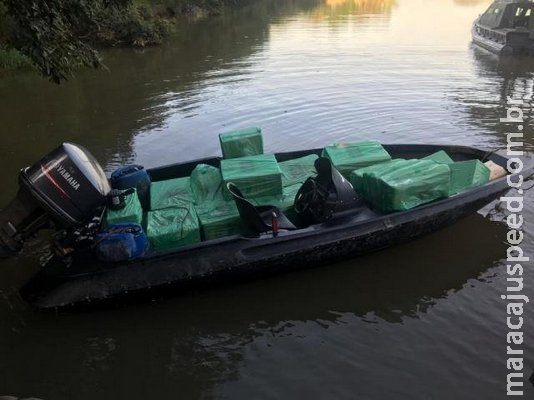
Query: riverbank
{"type": "Point", "coordinates": [141, 24]}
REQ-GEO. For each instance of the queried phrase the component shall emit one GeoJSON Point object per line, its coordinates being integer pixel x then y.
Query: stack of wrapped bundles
{"type": "Point", "coordinates": [255, 176]}
{"type": "Point", "coordinates": [170, 193]}
{"type": "Point", "coordinates": [294, 174]}
{"type": "Point", "coordinates": [348, 157]}
{"type": "Point", "coordinates": [296, 171]}
{"type": "Point", "coordinates": [206, 184]}
{"type": "Point", "coordinates": [172, 220]}
{"type": "Point", "coordinates": [403, 184]}
{"type": "Point", "coordinates": [467, 174]}
{"type": "Point", "coordinates": [440, 157]}
{"type": "Point", "coordinates": [131, 213]}
{"type": "Point", "coordinates": [172, 227]}
{"type": "Point", "coordinates": [242, 143]}
{"type": "Point", "coordinates": [356, 177]}
{"type": "Point", "coordinates": [217, 217]}
{"type": "Point", "coordinates": [464, 174]}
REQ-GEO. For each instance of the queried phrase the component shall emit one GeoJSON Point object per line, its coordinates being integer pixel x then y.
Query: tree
{"type": "Point", "coordinates": [54, 33]}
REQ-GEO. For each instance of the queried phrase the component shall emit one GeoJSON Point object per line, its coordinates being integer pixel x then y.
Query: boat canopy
{"type": "Point", "coordinates": [509, 14]}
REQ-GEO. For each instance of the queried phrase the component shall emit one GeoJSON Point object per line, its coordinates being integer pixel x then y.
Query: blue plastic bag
{"type": "Point", "coordinates": [121, 242]}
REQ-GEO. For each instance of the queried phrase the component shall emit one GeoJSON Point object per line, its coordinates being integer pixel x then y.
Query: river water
{"type": "Point", "coordinates": [419, 321]}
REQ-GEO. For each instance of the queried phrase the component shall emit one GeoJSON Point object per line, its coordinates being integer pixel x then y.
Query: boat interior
{"type": "Point", "coordinates": [245, 194]}
{"type": "Point", "coordinates": [314, 193]}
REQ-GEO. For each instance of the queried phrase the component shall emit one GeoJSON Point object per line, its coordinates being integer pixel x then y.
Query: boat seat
{"type": "Point", "coordinates": [258, 219]}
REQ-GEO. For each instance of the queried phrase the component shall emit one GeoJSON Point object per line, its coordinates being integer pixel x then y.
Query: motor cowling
{"type": "Point", "coordinates": [65, 188]}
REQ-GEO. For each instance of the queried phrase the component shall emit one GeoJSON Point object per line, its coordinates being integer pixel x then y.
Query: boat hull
{"type": "Point", "coordinates": [502, 43]}
{"type": "Point", "coordinates": [82, 280]}
{"type": "Point", "coordinates": [496, 48]}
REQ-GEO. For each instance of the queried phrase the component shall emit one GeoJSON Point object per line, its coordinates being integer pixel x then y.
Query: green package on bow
{"type": "Point", "coordinates": [172, 227]}
{"type": "Point", "coordinates": [255, 176]}
{"type": "Point", "coordinates": [219, 219]}
{"type": "Point", "coordinates": [132, 211]}
{"type": "Point", "coordinates": [206, 183]}
{"type": "Point", "coordinates": [298, 170]}
{"type": "Point", "coordinates": [348, 157]}
{"type": "Point", "coordinates": [170, 193]}
{"type": "Point", "coordinates": [241, 143]}
{"type": "Point", "coordinates": [440, 157]}
{"type": "Point", "coordinates": [407, 185]}
{"type": "Point", "coordinates": [468, 174]}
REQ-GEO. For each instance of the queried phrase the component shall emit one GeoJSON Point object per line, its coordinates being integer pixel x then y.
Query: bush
{"type": "Point", "coordinates": [58, 36]}
{"type": "Point", "coordinates": [134, 26]}
{"type": "Point", "coordinates": [11, 59]}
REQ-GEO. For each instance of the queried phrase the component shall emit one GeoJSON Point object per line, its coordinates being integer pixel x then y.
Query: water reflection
{"type": "Point", "coordinates": [194, 343]}
{"type": "Point", "coordinates": [142, 91]}
{"type": "Point", "coordinates": [336, 8]}
{"type": "Point", "coordinates": [418, 316]}
{"type": "Point", "coordinates": [471, 2]}
{"type": "Point", "coordinates": [500, 79]}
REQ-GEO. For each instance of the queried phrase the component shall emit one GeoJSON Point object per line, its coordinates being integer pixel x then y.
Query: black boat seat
{"type": "Point", "coordinates": [258, 219]}
{"type": "Point", "coordinates": [329, 193]}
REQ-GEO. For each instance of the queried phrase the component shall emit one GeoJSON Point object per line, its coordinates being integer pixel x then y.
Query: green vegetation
{"type": "Point", "coordinates": [133, 26]}
{"type": "Point", "coordinates": [59, 36]}
{"type": "Point", "coordinates": [12, 59]}
{"type": "Point", "coordinates": [55, 34]}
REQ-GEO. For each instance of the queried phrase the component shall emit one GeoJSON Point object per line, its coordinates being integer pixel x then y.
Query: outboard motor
{"type": "Point", "coordinates": [320, 197]}
{"type": "Point", "coordinates": [65, 189]}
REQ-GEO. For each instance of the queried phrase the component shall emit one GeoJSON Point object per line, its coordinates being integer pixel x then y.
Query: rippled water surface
{"type": "Point", "coordinates": [420, 321]}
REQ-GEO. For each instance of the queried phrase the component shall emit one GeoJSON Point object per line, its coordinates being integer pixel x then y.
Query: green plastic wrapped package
{"type": "Point", "coordinates": [407, 185]}
{"type": "Point", "coordinates": [440, 157]}
{"type": "Point", "coordinates": [172, 227]}
{"type": "Point", "coordinates": [242, 143]}
{"type": "Point", "coordinates": [298, 170]}
{"type": "Point", "coordinates": [206, 183]}
{"type": "Point", "coordinates": [255, 176]}
{"type": "Point", "coordinates": [219, 219]}
{"type": "Point", "coordinates": [348, 157]}
{"type": "Point", "coordinates": [467, 174]}
{"type": "Point", "coordinates": [356, 177]}
{"type": "Point", "coordinates": [132, 212]}
{"type": "Point", "coordinates": [170, 193]}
